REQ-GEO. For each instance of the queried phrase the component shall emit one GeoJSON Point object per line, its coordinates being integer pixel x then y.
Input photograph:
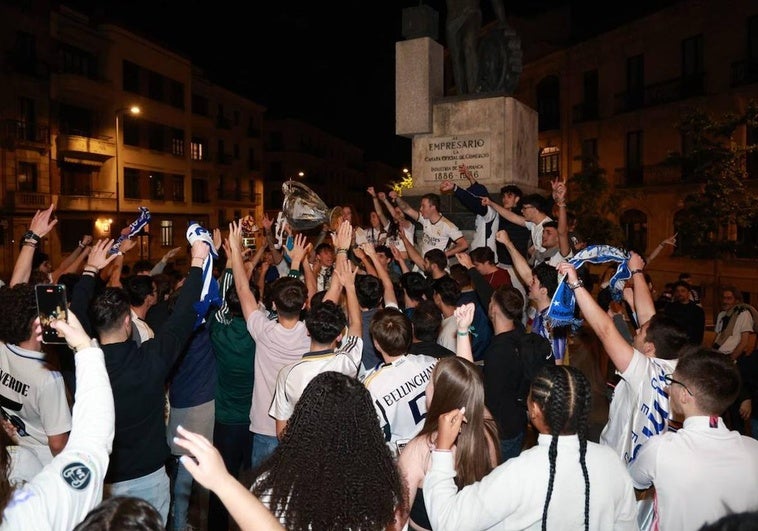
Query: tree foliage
{"type": "Point", "coordinates": [719, 201]}
{"type": "Point", "coordinates": [595, 204]}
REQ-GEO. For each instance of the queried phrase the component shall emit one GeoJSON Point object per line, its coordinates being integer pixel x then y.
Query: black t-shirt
{"type": "Point", "coordinates": [502, 379]}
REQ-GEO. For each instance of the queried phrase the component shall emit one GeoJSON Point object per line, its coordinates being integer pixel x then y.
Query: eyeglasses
{"type": "Point", "coordinates": [670, 381]}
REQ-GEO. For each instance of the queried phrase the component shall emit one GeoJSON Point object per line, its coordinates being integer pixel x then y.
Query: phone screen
{"type": "Point", "coordinates": [51, 304]}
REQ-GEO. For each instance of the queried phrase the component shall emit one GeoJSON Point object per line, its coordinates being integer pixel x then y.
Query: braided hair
{"type": "Point", "coordinates": [563, 394]}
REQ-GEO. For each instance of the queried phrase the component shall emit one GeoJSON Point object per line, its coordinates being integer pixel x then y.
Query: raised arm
{"type": "Point", "coordinates": [398, 256]}
{"type": "Point", "coordinates": [519, 262]}
{"type": "Point", "coordinates": [559, 196]}
{"type": "Point", "coordinates": [404, 206]}
{"type": "Point", "coordinates": [68, 264]}
{"type": "Point", "coordinates": [464, 316]}
{"type": "Point", "coordinates": [267, 223]}
{"type": "Point", "coordinates": [413, 253]}
{"type": "Point", "coordinates": [117, 265]}
{"type": "Point", "coordinates": [241, 281]}
{"type": "Point", "coordinates": [165, 259]}
{"type": "Point", "coordinates": [40, 226]}
{"type": "Point", "coordinates": [378, 205]}
{"type": "Point", "coordinates": [671, 240]}
{"type": "Point", "coordinates": [381, 272]}
{"type": "Point", "coordinates": [505, 212]}
{"type": "Point", "coordinates": [345, 272]}
{"type": "Point", "coordinates": [614, 343]}
{"type": "Point", "coordinates": [644, 307]}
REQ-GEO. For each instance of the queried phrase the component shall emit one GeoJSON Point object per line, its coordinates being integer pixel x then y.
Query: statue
{"type": "Point", "coordinates": [498, 52]}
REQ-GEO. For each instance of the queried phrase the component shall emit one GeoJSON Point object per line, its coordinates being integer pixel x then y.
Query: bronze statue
{"type": "Point", "coordinates": [499, 52]}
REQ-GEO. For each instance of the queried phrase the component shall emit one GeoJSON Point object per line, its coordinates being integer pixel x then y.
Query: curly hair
{"type": "Point", "coordinates": [6, 487]}
{"type": "Point", "coordinates": [564, 395]}
{"type": "Point", "coordinates": [325, 322]}
{"type": "Point", "coordinates": [120, 513]}
{"type": "Point", "coordinates": [19, 307]}
{"type": "Point", "coordinates": [458, 382]}
{"type": "Point", "coordinates": [333, 438]}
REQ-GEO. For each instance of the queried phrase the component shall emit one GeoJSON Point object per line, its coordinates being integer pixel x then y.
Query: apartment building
{"type": "Point", "coordinates": [618, 97]}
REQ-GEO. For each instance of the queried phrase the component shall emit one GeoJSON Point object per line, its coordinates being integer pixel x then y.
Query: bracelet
{"type": "Point", "coordinates": [341, 251]}
{"type": "Point", "coordinates": [89, 272]}
{"type": "Point", "coordinates": [29, 244]}
{"type": "Point", "coordinates": [575, 285]}
{"type": "Point", "coordinates": [463, 333]}
{"type": "Point", "coordinates": [294, 273]}
{"type": "Point", "coordinates": [561, 205]}
{"type": "Point", "coordinates": [94, 270]}
{"type": "Point", "coordinates": [81, 244]}
{"type": "Point", "coordinates": [30, 235]}
{"type": "Point", "coordinates": [635, 271]}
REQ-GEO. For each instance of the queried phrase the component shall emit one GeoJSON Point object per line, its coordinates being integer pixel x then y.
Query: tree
{"type": "Point", "coordinates": [595, 205]}
{"type": "Point", "coordinates": [715, 164]}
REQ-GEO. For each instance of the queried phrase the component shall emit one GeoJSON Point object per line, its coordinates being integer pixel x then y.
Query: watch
{"type": "Point", "coordinates": [93, 343]}
{"type": "Point", "coordinates": [575, 285]}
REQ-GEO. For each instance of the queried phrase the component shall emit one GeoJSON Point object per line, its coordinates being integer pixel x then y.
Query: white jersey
{"type": "Point", "coordinates": [743, 323]}
{"type": "Point", "coordinates": [437, 235]}
{"type": "Point", "coordinates": [397, 241]}
{"type": "Point", "coordinates": [33, 398]}
{"type": "Point", "coordinates": [398, 390]}
{"type": "Point", "coordinates": [640, 405]}
{"type": "Point", "coordinates": [485, 230]}
{"type": "Point", "coordinates": [61, 495]}
{"type": "Point", "coordinates": [294, 378]}
{"type": "Point", "coordinates": [536, 229]}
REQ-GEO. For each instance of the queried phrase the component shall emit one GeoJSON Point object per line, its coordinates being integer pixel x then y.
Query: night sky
{"type": "Point", "coordinates": [331, 64]}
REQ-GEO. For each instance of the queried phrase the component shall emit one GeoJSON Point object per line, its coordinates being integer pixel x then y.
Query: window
{"type": "Point", "coordinates": [131, 130]}
{"type": "Point", "coordinates": [198, 149]}
{"type": "Point", "coordinates": [177, 142]}
{"type": "Point", "coordinates": [550, 162]}
{"type": "Point", "coordinates": [28, 119]}
{"type": "Point", "coordinates": [200, 105]}
{"type": "Point", "coordinates": [752, 39]}
{"type": "Point", "coordinates": [76, 179]}
{"type": "Point", "coordinates": [635, 81]}
{"type": "Point", "coordinates": [27, 177]}
{"type": "Point", "coordinates": [131, 183]}
{"type": "Point", "coordinates": [156, 86]}
{"type": "Point", "coordinates": [75, 120]}
{"type": "Point", "coordinates": [167, 233]}
{"type": "Point", "coordinates": [200, 190]}
{"type": "Point", "coordinates": [177, 191]}
{"type": "Point", "coordinates": [176, 94]}
{"type": "Point", "coordinates": [157, 191]}
{"type": "Point", "coordinates": [130, 71]}
{"type": "Point", "coordinates": [77, 61]}
{"type": "Point", "coordinates": [548, 103]}
{"type": "Point", "coordinates": [692, 66]}
{"type": "Point", "coordinates": [633, 165]}
{"type": "Point", "coordinates": [634, 225]}
{"type": "Point", "coordinates": [589, 154]}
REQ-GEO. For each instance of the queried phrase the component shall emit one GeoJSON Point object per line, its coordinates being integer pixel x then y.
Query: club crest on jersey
{"type": "Point", "coordinates": [77, 475]}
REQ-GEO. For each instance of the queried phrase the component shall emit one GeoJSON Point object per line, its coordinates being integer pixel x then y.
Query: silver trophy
{"type": "Point", "coordinates": [303, 209]}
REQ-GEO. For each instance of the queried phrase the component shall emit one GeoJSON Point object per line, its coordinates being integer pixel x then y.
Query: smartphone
{"type": "Point", "coordinates": [51, 304]}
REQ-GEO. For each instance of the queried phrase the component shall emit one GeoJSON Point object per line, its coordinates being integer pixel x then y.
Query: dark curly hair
{"type": "Point", "coordinates": [564, 395]}
{"type": "Point", "coordinates": [325, 322]}
{"type": "Point", "coordinates": [332, 468]}
{"type": "Point", "coordinates": [19, 308]}
{"type": "Point", "coordinates": [121, 513]}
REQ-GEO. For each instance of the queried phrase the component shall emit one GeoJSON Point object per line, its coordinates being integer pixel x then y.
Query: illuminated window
{"type": "Point", "coordinates": [167, 233]}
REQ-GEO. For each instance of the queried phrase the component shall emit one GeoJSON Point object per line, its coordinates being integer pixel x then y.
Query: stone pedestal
{"type": "Point", "coordinates": [495, 137]}
{"type": "Point", "coordinates": [418, 84]}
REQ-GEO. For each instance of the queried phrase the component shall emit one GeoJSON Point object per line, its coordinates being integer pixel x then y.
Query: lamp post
{"type": "Point", "coordinates": [133, 110]}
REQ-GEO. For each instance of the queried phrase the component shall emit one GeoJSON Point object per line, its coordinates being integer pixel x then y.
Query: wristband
{"type": "Point", "coordinates": [294, 273]}
{"type": "Point", "coordinates": [89, 272]}
{"type": "Point", "coordinates": [464, 333]}
{"type": "Point", "coordinates": [29, 244]}
{"type": "Point", "coordinates": [575, 285]}
{"type": "Point", "coordinates": [81, 244]}
{"type": "Point", "coordinates": [30, 235]}
{"type": "Point", "coordinates": [635, 271]}
{"type": "Point", "coordinates": [92, 269]}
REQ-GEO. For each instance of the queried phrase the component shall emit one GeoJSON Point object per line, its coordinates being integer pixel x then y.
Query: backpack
{"type": "Point", "coordinates": [533, 352]}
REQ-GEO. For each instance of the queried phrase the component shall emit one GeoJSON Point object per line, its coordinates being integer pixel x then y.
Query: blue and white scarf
{"type": "Point", "coordinates": [135, 226]}
{"type": "Point", "coordinates": [563, 304]}
{"type": "Point", "coordinates": [210, 294]}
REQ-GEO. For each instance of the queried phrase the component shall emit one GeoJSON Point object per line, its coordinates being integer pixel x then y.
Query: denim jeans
{"type": "Point", "coordinates": [181, 490]}
{"type": "Point", "coordinates": [235, 444]}
{"type": "Point", "coordinates": [263, 446]}
{"type": "Point", "coordinates": [510, 448]}
{"type": "Point", "coordinates": [154, 488]}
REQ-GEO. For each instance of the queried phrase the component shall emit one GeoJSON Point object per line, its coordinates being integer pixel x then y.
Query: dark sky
{"type": "Point", "coordinates": [331, 64]}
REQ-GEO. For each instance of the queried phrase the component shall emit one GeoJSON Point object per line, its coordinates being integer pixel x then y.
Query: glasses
{"type": "Point", "coordinates": [668, 378]}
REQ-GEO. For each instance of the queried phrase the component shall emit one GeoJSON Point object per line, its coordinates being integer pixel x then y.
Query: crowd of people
{"type": "Point", "coordinates": [361, 378]}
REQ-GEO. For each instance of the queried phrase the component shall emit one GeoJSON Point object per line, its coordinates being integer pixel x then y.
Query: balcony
{"type": "Point", "coordinates": [15, 134]}
{"type": "Point", "coordinates": [84, 149]}
{"type": "Point", "coordinates": [744, 72]}
{"type": "Point", "coordinates": [676, 89]}
{"type": "Point", "coordinates": [653, 175]}
{"type": "Point", "coordinates": [27, 200]}
{"type": "Point", "coordinates": [96, 88]}
{"type": "Point", "coordinates": [86, 199]}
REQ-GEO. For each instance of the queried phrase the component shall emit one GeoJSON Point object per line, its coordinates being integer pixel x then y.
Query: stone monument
{"type": "Point", "coordinates": [486, 129]}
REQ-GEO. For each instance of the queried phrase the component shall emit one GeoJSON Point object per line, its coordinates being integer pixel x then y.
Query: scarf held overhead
{"type": "Point", "coordinates": [210, 294]}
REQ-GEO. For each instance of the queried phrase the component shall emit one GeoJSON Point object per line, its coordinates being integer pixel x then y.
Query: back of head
{"type": "Point", "coordinates": [460, 274]}
{"type": "Point", "coordinates": [233, 303]}
{"type": "Point", "coordinates": [369, 290]}
{"type": "Point", "coordinates": [138, 287]}
{"type": "Point", "coordinates": [142, 267]}
{"type": "Point", "coordinates": [512, 189]}
{"type": "Point", "coordinates": [325, 322]}
{"type": "Point", "coordinates": [391, 330]}
{"type": "Point", "coordinates": [121, 513]}
{"type": "Point", "coordinates": [437, 257]}
{"type": "Point", "coordinates": [448, 290]}
{"type": "Point", "coordinates": [509, 301]}
{"type": "Point", "coordinates": [667, 336]}
{"type": "Point", "coordinates": [712, 378]}
{"type": "Point", "coordinates": [360, 484]}
{"type": "Point", "coordinates": [39, 258]}
{"type": "Point", "coordinates": [482, 255]}
{"type": "Point", "coordinates": [426, 321]}
{"type": "Point", "coordinates": [547, 276]}
{"type": "Point", "coordinates": [19, 308]}
{"type": "Point", "coordinates": [289, 295]}
{"type": "Point", "coordinates": [746, 521]}
{"type": "Point", "coordinates": [108, 309]}
{"type": "Point", "coordinates": [416, 286]}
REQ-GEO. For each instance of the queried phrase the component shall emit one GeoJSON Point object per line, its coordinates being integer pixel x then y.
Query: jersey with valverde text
{"type": "Point", "coordinates": [640, 405]}
{"type": "Point", "coordinates": [398, 390]}
{"type": "Point", "coordinates": [437, 235]}
{"type": "Point", "coordinates": [294, 378]}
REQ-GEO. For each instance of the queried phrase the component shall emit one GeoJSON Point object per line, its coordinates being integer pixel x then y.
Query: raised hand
{"type": "Point", "coordinates": [381, 196]}
{"type": "Point", "coordinates": [502, 237]}
{"type": "Point", "coordinates": [345, 273]}
{"type": "Point", "coordinates": [371, 191]}
{"type": "Point", "coordinates": [267, 222]}
{"type": "Point", "coordinates": [447, 186]}
{"type": "Point", "coordinates": [344, 236]}
{"type": "Point", "coordinates": [235, 237]}
{"type": "Point", "coordinates": [464, 316]}
{"type": "Point", "coordinates": [464, 259]}
{"type": "Point", "coordinates": [204, 461]}
{"type": "Point", "coordinates": [486, 201]}
{"type": "Point", "coordinates": [86, 239]}
{"type": "Point", "coordinates": [99, 256]}
{"type": "Point", "coordinates": [71, 329]}
{"type": "Point", "coordinates": [42, 223]}
{"type": "Point", "coordinates": [449, 425]}
{"type": "Point", "coordinates": [567, 268]}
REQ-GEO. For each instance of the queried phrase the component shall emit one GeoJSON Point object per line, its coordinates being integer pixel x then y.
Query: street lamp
{"type": "Point", "coordinates": [133, 110]}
